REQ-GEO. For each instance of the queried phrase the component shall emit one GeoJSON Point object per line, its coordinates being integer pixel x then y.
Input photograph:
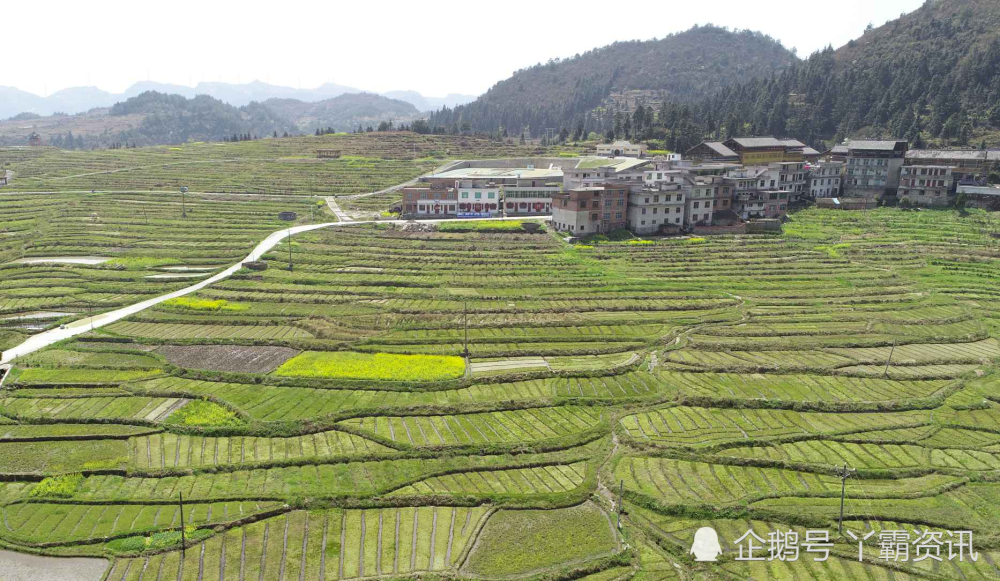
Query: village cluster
{"type": "Point", "coordinates": [729, 186]}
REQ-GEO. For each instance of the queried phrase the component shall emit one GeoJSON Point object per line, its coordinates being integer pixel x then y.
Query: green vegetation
{"type": "Point", "coordinates": [522, 541]}
{"type": "Point", "coordinates": [195, 304]}
{"type": "Point", "coordinates": [377, 366]}
{"type": "Point", "coordinates": [721, 382]}
{"type": "Point", "coordinates": [57, 486]}
{"type": "Point", "coordinates": [204, 413]}
{"type": "Point", "coordinates": [484, 226]}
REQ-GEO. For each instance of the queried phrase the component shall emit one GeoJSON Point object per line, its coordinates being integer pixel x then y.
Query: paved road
{"type": "Point", "coordinates": [341, 215]}
{"type": "Point", "coordinates": [41, 340]}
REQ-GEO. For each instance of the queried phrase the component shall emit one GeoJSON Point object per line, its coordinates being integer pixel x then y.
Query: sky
{"type": "Point", "coordinates": [431, 47]}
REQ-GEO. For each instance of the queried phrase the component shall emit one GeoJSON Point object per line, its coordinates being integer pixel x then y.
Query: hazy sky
{"type": "Point", "coordinates": [428, 46]}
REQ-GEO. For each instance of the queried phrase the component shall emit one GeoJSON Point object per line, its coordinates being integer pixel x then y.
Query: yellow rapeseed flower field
{"type": "Point", "coordinates": [378, 366]}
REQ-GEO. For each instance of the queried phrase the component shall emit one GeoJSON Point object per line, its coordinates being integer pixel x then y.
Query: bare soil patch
{"type": "Point", "coordinates": [236, 358]}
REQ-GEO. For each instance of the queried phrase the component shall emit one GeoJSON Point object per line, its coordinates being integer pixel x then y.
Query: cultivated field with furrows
{"type": "Point", "coordinates": [330, 428]}
{"type": "Point", "coordinates": [367, 162]}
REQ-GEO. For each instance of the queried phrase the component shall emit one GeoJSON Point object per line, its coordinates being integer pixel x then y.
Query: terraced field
{"type": "Point", "coordinates": [720, 384]}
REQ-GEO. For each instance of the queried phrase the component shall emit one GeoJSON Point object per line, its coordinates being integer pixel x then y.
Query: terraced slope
{"type": "Point", "coordinates": [720, 383]}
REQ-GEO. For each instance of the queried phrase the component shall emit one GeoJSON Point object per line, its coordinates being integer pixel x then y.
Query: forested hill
{"type": "Point", "coordinates": [176, 119]}
{"type": "Point", "coordinates": [345, 112]}
{"type": "Point", "coordinates": [932, 74]}
{"type": "Point", "coordinates": [683, 67]}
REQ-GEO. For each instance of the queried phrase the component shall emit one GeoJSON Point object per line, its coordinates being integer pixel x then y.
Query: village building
{"type": "Point", "coordinates": [598, 170]}
{"type": "Point", "coordinates": [622, 149]}
{"type": "Point", "coordinates": [592, 209]}
{"type": "Point", "coordinates": [824, 179]}
{"type": "Point", "coordinates": [926, 185]}
{"type": "Point", "coordinates": [765, 150]}
{"type": "Point", "coordinates": [873, 168]}
{"type": "Point", "coordinates": [657, 209]}
{"type": "Point", "coordinates": [966, 164]}
{"type": "Point", "coordinates": [484, 192]}
{"type": "Point", "coordinates": [712, 151]}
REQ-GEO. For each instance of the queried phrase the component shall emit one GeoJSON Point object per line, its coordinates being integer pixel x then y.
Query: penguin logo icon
{"type": "Point", "coordinates": [706, 545]}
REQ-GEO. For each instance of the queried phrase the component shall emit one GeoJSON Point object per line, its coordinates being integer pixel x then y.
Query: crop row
{"type": "Point", "coordinates": [165, 450]}
{"type": "Point", "coordinates": [504, 427]}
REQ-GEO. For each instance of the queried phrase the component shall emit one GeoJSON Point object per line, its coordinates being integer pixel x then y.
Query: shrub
{"type": "Point", "coordinates": [696, 240]}
{"type": "Point", "coordinates": [204, 413]}
{"type": "Point", "coordinates": [57, 486]}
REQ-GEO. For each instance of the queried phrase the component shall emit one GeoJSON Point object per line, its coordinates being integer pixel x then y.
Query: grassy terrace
{"type": "Point", "coordinates": [368, 162]}
{"type": "Point", "coordinates": [321, 422]}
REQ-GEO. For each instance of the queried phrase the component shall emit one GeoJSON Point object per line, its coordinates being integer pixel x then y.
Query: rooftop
{"type": "Point", "coordinates": [618, 164]}
{"type": "Point", "coordinates": [721, 149]}
{"type": "Point", "coordinates": [874, 145]}
{"type": "Point", "coordinates": [500, 172]}
{"type": "Point", "coordinates": [966, 154]}
{"type": "Point", "coordinates": [762, 142]}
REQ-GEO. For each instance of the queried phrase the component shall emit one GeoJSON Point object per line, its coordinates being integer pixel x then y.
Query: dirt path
{"type": "Point", "coordinates": [25, 567]}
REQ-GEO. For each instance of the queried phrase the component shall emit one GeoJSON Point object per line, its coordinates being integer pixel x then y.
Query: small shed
{"type": "Point", "coordinates": [287, 216]}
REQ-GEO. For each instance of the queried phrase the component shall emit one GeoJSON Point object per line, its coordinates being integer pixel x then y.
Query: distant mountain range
{"type": "Point", "coordinates": [155, 118]}
{"type": "Point", "coordinates": [80, 99]}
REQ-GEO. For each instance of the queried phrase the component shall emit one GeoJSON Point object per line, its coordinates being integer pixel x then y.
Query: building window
{"type": "Point", "coordinates": [618, 215]}
{"type": "Point", "coordinates": [696, 204]}
{"type": "Point", "coordinates": [644, 211]}
{"type": "Point", "coordinates": [607, 203]}
{"type": "Point", "coordinates": [479, 195]}
{"type": "Point", "coordinates": [607, 215]}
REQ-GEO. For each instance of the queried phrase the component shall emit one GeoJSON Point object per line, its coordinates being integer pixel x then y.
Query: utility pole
{"type": "Point", "coordinates": [843, 490]}
{"type": "Point", "coordinates": [290, 267]}
{"type": "Point", "coordinates": [181, 495]}
{"type": "Point", "coordinates": [891, 351]}
{"type": "Point", "coordinates": [184, 192]}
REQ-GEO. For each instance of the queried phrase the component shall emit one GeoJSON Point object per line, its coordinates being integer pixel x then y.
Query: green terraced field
{"type": "Point", "coordinates": [715, 384]}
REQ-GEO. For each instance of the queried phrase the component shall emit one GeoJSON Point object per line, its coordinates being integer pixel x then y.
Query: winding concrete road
{"type": "Point", "coordinates": [41, 340]}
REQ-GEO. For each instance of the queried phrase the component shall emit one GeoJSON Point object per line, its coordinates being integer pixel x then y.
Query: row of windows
{"type": "Point", "coordinates": [479, 195]}
{"type": "Point", "coordinates": [677, 210]}
{"type": "Point", "coordinates": [665, 221]}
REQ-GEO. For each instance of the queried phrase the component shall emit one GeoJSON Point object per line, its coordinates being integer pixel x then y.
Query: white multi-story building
{"type": "Point", "coordinates": [591, 171]}
{"type": "Point", "coordinates": [824, 179]}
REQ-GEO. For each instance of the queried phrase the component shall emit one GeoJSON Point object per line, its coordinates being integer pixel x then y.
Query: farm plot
{"type": "Point", "coordinates": [873, 456]}
{"type": "Point", "coordinates": [122, 408]}
{"type": "Point", "coordinates": [259, 359]}
{"type": "Point", "coordinates": [679, 482]}
{"type": "Point", "coordinates": [802, 387]}
{"type": "Point", "coordinates": [529, 425]}
{"type": "Point", "coordinates": [324, 544]}
{"type": "Point", "coordinates": [525, 541]}
{"type": "Point", "coordinates": [165, 450]}
{"type": "Point", "coordinates": [704, 427]}
{"type": "Point", "coordinates": [378, 366]}
{"type": "Point", "coordinates": [62, 456]}
{"type": "Point", "coordinates": [182, 331]}
{"type": "Point", "coordinates": [41, 522]}
{"type": "Point", "coordinates": [539, 480]}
